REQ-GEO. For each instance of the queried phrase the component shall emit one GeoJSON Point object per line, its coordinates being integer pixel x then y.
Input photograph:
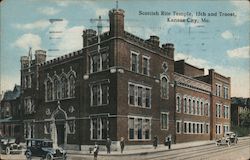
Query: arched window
{"type": "Point", "coordinates": [64, 85]}
{"type": "Point", "coordinates": [185, 105]}
{"type": "Point", "coordinates": [71, 85]}
{"type": "Point", "coordinates": [49, 90]}
{"type": "Point", "coordinates": [164, 87]}
{"type": "Point", "coordinates": [56, 89]}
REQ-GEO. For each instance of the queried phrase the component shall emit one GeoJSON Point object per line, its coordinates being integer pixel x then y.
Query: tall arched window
{"type": "Point", "coordinates": [56, 89]}
{"type": "Point", "coordinates": [71, 85]}
{"type": "Point", "coordinates": [64, 85]}
{"type": "Point", "coordinates": [164, 87]}
{"type": "Point", "coordinates": [49, 90]}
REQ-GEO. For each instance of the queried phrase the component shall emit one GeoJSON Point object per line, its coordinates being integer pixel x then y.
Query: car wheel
{"type": "Point", "coordinates": [28, 155]}
{"type": "Point", "coordinates": [229, 143]}
{"type": "Point", "coordinates": [49, 156]}
{"type": "Point", "coordinates": [7, 150]}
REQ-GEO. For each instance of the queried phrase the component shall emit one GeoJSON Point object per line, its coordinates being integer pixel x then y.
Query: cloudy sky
{"type": "Point", "coordinates": [220, 42]}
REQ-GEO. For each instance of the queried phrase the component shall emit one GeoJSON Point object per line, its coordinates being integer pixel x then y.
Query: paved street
{"type": "Point", "coordinates": [240, 151]}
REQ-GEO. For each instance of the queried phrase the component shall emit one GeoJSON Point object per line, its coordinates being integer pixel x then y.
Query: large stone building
{"type": "Point", "coordinates": [119, 85]}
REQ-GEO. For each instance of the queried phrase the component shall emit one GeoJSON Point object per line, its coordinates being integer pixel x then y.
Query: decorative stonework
{"type": "Point", "coordinates": [48, 112]}
{"type": "Point", "coordinates": [191, 83]}
{"type": "Point", "coordinates": [165, 66]}
{"type": "Point", "coordinates": [71, 109]}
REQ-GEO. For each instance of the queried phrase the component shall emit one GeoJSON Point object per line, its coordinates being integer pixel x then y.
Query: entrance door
{"type": "Point", "coordinates": [60, 129]}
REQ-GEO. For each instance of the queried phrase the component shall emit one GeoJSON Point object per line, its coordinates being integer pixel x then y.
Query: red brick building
{"type": "Point", "coordinates": [117, 85]}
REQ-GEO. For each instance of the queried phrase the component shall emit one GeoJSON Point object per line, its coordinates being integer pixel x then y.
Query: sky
{"type": "Point", "coordinates": [216, 38]}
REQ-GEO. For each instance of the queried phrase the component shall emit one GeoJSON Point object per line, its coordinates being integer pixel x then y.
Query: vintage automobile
{"type": "Point", "coordinates": [9, 145]}
{"type": "Point", "coordinates": [44, 149]}
{"type": "Point", "coordinates": [228, 139]}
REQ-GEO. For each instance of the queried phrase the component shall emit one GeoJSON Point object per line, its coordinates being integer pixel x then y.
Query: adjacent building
{"type": "Point", "coordinates": [239, 105]}
{"type": "Point", "coordinates": [11, 114]}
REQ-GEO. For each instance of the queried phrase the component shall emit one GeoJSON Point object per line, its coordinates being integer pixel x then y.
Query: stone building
{"type": "Point", "coordinates": [117, 85]}
{"type": "Point", "coordinates": [202, 103]}
{"type": "Point", "coordinates": [10, 114]}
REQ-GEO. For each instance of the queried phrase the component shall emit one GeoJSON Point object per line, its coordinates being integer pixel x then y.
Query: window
{"type": "Point", "coordinates": [226, 111]}
{"type": "Point", "coordinates": [178, 103]}
{"type": "Point", "coordinates": [131, 94]}
{"type": "Point", "coordinates": [225, 128]}
{"type": "Point", "coordinates": [178, 126]}
{"type": "Point", "coordinates": [185, 105]}
{"type": "Point", "coordinates": [218, 110]}
{"type": "Point", "coordinates": [29, 105]}
{"type": "Point", "coordinates": [71, 126]}
{"type": "Point", "coordinates": [135, 62]}
{"type": "Point", "coordinates": [99, 94]}
{"type": "Point", "coordinates": [56, 89]}
{"type": "Point", "coordinates": [95, 63]}
{"type": "Point", "coordinates": [190, 106]}
{"type": "Point", "coordinates": [189, 127]}
{"type": "Point", "coordinates": [194, 128]}
{"type": "Point", "coordinates": [207, 127]}
{"type": "Point", "coordinates": [71, 85]}
{"type": "Point", "coordinates": [64, 86]}
{"type": "Point", "coordinates": [99, 128]}
{"type": "Point", "coordinates": [27, 81]}
{"type": "Point", "coordinates": [105, 61]}
{"type": "Point", "coordinates": [202, 108]}
{"type": "Point", "coordinates": [198, 127]}
{"type": "Point", "coordinates": [164, 120]}
{"type": "Point", "coordinates": [139, 128]}
{"type": "Point", "coordinates": [226, 95]}
{"type": "Point", "coordinates": [185, 127]}
{"type": "Point", "coordinates": [198, 108]}
{"type": "Point", "coordinates": [49, 90]}
{"type": "Point", "coordinates": [139, 95]}
{"type": "Point", "coordinates": [164, 87]}
{"type": "Point", "coordinates": [131, 128]}
{"type": "Point", "coordinates": [218, 90]}
{"type": "Point", "coordinates": [145, 65]}
{"type": "Point", "coordinates": [194, 108]}
{"type": "Point", "coordinates": [148, 98]}
{"type": "Point", "coordinates": [218, 128]}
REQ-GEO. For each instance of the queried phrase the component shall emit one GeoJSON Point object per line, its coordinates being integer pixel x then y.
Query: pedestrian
{"type": "Point", "coordinates": [108, 145]}
{"type": "Point", "coordinates": [169, 141]}
{"type": "Point", "coordinates": [96, 150]}
{"type": "Point", "coordinates": [122, 144]}
{"type": "Point", "coordinates": [155, 142]}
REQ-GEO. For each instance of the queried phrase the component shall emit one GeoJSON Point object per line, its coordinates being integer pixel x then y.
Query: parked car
{"type": "Point", "coordinates": [228, 139]}
{"type": "Point", "coordinates": [8, 145]}
{"type": "Point", "coordinates": [44, 148]}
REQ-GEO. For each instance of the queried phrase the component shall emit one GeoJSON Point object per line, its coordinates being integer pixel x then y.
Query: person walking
{"type": "Point", "coordinates": [122, 144]}
{"type": "Point", "coordinates": [96, 150]}
{"type": "Point", "coordinates": [169, 141]}
{"type": "Point", "coordinates": [108, 145]}
{"type": "Point", "coordinates": [155, 142]}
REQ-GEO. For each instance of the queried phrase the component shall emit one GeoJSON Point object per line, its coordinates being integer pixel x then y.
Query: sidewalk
{"type": "Point", "coordinates": [145, 149]}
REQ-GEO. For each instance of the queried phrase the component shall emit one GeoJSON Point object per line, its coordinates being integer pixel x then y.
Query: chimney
{"type": "Point", "coordinates": [88, 33]}
{"type": "Point", "coordinates": [116, 21]}
{"type": "Point", "coordinates": [40, 56]}
{"type": "Point", "coordinates": [168, 49]}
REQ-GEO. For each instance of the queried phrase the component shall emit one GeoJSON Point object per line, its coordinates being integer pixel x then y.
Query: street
{"type": "Point", "coordinates": [240, 151]}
